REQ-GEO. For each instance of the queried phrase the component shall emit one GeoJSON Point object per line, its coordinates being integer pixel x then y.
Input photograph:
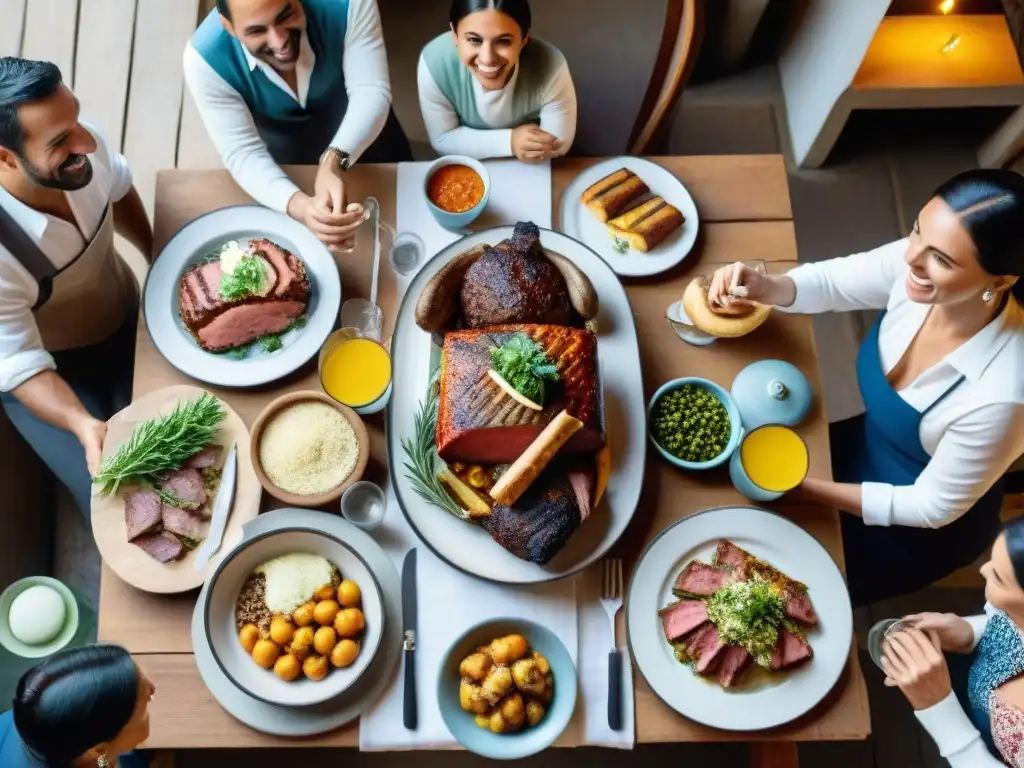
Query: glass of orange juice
{"type": "Point", "coordinates": [356, 371]}
{"type": "Point", "coordinates": [770, 460]}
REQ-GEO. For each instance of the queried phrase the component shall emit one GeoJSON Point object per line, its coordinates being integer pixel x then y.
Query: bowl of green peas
{"type": "Point", "coordinates": [694, 423]}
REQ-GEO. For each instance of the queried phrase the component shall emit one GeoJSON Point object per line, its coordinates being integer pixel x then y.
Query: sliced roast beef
{"type": "Point", "coordinates": [735, 661]}
{"type": "Point", "coordinates": [706, 647]}
{"type": "Point", "coordinates": [162, 545]}
{"type": "Point", "coordinates": [728, 555]}
{"type": "Point", "coordinates": [792, 649]}
{"type": "Point", "coordinates": [798, 604]}
{"type": "Point", "coordinates": [681, 618]}
{"type": "Point", "coordinates": [141, 512]}
{"type": "Point", "coordinates": [186, 485]}
{"type": "Point", "coordinates": [208, 457]}
{"type": "Point", "coordinates": [701, 579]}
{"type": "Point", "coordinates": [244, 323]}
{"type": "Point", "coordinates": [582, 481]}
{"type": "Point", "coordinates": [183, 523]}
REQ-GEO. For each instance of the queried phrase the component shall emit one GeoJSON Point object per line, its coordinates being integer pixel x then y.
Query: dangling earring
{"type": "Point", "coordinates": [987, 296]}
{"type": "Point", "coordinates": [102, 762]}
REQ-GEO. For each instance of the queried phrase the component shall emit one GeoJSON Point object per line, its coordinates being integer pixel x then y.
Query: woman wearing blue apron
{"type": "Point", "coordinates": [993, 713]}
{"type": "Point", "coordinates": [80, 707]}
{"type": "Point", "coordinates": [918, 476]}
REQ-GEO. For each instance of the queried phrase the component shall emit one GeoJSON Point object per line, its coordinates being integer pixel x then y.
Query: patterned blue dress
{"type": "Point", "coordinates": [998, 659]}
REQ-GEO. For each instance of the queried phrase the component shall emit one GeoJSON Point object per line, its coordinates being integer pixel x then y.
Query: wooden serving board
{"type": "Point", "coordinates": [131, 563]}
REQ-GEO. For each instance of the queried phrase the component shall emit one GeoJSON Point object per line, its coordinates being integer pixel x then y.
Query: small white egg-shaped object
{"type": "Point", "coordinates": [37, 615]}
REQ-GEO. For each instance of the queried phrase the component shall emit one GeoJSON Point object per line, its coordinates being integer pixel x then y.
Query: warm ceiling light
{"type": "Point", "coordinates": [946, 6]}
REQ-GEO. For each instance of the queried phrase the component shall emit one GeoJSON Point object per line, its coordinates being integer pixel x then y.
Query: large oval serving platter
{"type": "Point", "coordinates": [129, 562]}
{"type": "Point", "coordinates": [466, 546]}
{"type": "Point", "coordinates": [766, 700]}
{"type": "Point", "coordinates": [206, 235]}
{"type": "Point", "coordinates": [576, 221]}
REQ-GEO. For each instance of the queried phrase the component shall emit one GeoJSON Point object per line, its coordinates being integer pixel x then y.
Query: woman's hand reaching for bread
{"type": "Point", "coordinates": [739, 285]}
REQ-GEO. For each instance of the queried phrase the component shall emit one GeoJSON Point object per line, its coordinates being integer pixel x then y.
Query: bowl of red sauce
{"type": "Point", "coordinates": [457, 189]}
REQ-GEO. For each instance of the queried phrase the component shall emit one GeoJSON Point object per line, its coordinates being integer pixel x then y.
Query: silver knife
{"type": "Point", "coordinates": [409, 717]}
{"type": "Point", "coordinates": [221, 510]}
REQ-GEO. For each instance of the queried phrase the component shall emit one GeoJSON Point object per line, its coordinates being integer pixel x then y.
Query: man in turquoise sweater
{"type": "Point", "coordinates": [303, 82]}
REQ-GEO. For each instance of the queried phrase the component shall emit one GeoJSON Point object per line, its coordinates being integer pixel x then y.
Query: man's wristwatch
{"type": "Point", "coordinates": [344, 159]}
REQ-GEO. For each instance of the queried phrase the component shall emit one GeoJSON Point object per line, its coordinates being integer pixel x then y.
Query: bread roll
{"type": "Point", "coordinates": [617, 199]}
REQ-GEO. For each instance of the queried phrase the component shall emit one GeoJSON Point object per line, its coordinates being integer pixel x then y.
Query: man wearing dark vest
{"type": "Point", "coordinates": [296, 82]}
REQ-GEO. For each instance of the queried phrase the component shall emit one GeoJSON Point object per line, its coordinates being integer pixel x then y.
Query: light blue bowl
{"type": "Point", "coordinates": [529, 741]}
{"type": "Point", "coordinates": [730, 407]}
{"type": "Point", "coordinates": [457, 221]}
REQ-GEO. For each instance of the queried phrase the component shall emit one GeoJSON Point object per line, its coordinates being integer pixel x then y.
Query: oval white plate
{"type": "Point", "coordinates": [779, 698]}
{"type": "Point", "coordinates": [208, 233]}
{"type": "Point", "coordinates": [576, 221]}
{"type": "Point", "coordinates": [467, 546]}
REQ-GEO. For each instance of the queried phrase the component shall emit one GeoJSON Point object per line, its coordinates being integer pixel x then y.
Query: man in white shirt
{"type": "Point", "coordinates": [68, 304]}
{"type": "Point", "coordinates": [296, 82]}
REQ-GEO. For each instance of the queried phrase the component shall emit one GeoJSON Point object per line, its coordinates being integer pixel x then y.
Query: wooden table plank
{"type": "Point", "coordinates": [101, 69]}
{"type": "Point", "coordinates": [13, 14]}
{"type": "Point", "coordinates": [50, 34]}
{"type": "Point", "coordinates": [773, 755]}
{"type": "Point", "coordinates": [162, 28]}
{"type": "Point", "coordinates": [725, 187]}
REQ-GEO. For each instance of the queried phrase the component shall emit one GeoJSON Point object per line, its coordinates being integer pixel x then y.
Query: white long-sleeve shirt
{"type": "Point", "coordinates": [972, 436]}
{"type": "Point", "coordinates": [233, 131]}
{"type": "Point", "coordinates": [449, 137]}
{"type": "Point", "coordinates": [949, 726]}
{"type": "Point", "coordinates": [22, 355]}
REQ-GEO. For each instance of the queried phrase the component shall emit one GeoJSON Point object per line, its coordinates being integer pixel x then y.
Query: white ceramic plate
{"type": "Point", "coordinates": [773, 699]}
{"type": "Point", "coordinates": [308, 721]}
{"type": "Point", "coordinates": [207, 234]}
{"type": "Point", "coordinates": [576, 221]}
{"type": "Point", "coordinates": [467, 546]}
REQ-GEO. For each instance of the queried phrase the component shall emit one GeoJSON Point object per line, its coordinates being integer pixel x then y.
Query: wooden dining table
{"type": "Point", "coordinates": [745, 214]}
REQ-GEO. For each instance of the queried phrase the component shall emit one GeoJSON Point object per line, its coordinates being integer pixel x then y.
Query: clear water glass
{"type": "Point", "coordinates": [877, 636]}
{"type": "Point", "coordinates": [363, 315]}
{"type": "Point", "coordinates": [407, 253]}
{"type": "Point", "coordinates": [364, 505]}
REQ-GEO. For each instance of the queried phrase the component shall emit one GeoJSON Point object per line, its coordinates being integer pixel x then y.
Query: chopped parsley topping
{"type": "Point", "coordinates": [522, 363]}
{"type": "Point", "coordinates": [748, 613]}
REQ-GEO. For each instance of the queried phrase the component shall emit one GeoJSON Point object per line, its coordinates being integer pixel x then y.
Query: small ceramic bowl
{"type": "Point", "coordinates": [457, 221]}
{"type": "Point", "coordinates": [730, 407]}
{"type": "Point", "coordinates": [18, 648]}
{"type": "Point", "coordinates": [528, 741]}
{"type": "Point", "coordinates": [275, 407]}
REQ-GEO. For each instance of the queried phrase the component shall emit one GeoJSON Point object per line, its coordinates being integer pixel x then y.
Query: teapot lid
{"type": "Point", "coordinates": [771, 392]}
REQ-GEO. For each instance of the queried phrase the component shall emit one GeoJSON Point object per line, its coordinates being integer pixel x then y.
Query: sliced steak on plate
{"type": "Point", "coordinates": [701, 579]}
{"type": "Point", "coordinates": [208, 457]}
{"type": "Point", "coordinates": [798, 604]}
{"type": "Point", "coordinates": [735, 661]}
{"type": "Point", "coordinates": [791, 650]}
{"type": "Point", "coordinates": [162, 545]}
{"type": "Point", "coordinates": [680, 619]}
{"type": "Point", "coordinates": [706, 647]}
{"type": "Point", "coordinates": [141, 512]}
{"type": "Point", "coordinates": [728, 555]}
{"type": "Point", "coordinates": [187, 485]}
{"type": "Point", "coordinates": [182, 523]}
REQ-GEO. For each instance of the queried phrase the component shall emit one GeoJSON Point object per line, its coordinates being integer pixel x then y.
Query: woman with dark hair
{"type": "Point", "coordinates": [914, 662]}
{"type": "Point", "coordinates": [490, 89]}
{"type": "Point", "coordinates": [918, 475]}
{"type": "Point", "coordinates": [81, 707]}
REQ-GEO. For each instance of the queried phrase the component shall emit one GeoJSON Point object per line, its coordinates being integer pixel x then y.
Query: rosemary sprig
{"type": "Point", "coordinates": [160, 445]}
{"type": "Point", "coordinates": [421, 465]}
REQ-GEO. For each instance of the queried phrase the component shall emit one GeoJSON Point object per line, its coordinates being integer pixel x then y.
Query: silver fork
{"type": "Point", "coordinates": [611, 600]}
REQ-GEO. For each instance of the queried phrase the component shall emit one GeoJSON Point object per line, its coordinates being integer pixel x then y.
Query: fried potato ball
{"type": "Point", "coordinates": [349, 594]}
{"type": "Point", "coordinates": [513, 709]}
{"type": "Point", "coordinates": [326, 592]}
{"type": "Point", "coordinates": [542, 663]}
{"type": "Point", "coordinates": [315, 668]}
{"type": "Point", "coordinates": [349, 622]}
{"type": "Point", "coordinates": [472, 698]}
{"type": "Point", "coordinates": [325, 612]}
{"type": "Point", "coordinates": [324, 640]}
{"type": "Point", "coordinates": [247, 636]}
{"type": "Point", "coordinates": [497, 684]}
{"type": "Point", "coordinates": [302, 643]}
{"type": "Point", "coordinates": [528, 677]}
{"type": "Point", "coordinates": [549, 689]}
{"type": "Point", "coordinates": [287, 668]}
{"type": "Point", "coordinates": [497, 723]}
{"type": "Point", "coordinates": [476, 666]}
{"type": "Point", "coordinates": [534, 713]}
{"type": "Point", "coordinates": [508, 649]}
{"type": "Point", "coordinates": [303, 615]}
{"type": "Point", "coordinates": [344, 653]}
{"type": "Point", "coordinates": [484, 721]}
{"type": "Point", "coordinates": [281, 630]}
{"type": "Point", "coordinates": [265, 653]}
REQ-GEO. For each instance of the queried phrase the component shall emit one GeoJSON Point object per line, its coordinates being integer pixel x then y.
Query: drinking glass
{"type": "Point", "coordinates": [363, 315]}
{"type": "Point", "coordinates": [407, 253]}
{"type": "Point", "coordinates": [877, 636]}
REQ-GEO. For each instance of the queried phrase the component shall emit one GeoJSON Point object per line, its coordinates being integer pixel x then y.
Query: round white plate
{"type": "Point", "coordinates": [576, 221]}
{"type": "Point", "coordinates": [466, 546]}
{"type": "Point", "coordinates": [308, 721]}
{"type": "Point", "coordinates": [207, 234]}
{"type": "Point", "coordinates": [774, 699]}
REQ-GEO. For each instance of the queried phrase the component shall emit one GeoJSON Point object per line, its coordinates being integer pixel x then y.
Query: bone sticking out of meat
{"type": "Point", "coordinates": [682, 618]}
{"type": "Point", "coordinates": [582, 481]}
{"type": "Point", "coordinates": [541, 521]}
{"type": "Point", "coordinates": [790, 651]}
{"type": "Point", "coordinates": [531, 463]}
{"type": "Point", "coordinates": [186, 485]}
{"type": "Point", "coordinates": [141, 512]}
{"type": "Point", "coordinates": [207, 457]}
{"type": "Point", "coordinates": [162, 546]}
{"type": "Point", "coordinates": [735, 661]}
{"type": "Point", "coordinates": [702, 580]}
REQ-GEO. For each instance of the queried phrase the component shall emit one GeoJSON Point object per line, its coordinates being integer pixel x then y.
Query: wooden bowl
{"type": "Point", "coordinates": [297, 500]}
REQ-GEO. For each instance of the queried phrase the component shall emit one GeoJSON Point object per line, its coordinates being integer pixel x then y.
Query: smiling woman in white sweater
{"type": "Point", "coordinates": [489, 89]}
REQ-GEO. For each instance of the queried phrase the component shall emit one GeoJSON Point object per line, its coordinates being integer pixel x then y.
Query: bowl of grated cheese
{"type": "Point", "coordinates": [308, 449]}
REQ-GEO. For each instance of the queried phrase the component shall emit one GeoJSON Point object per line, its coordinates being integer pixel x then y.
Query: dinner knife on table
{"type": "Point", "coordinates": [409, 717]}
{"type": "Point", "coordinates": [221, 510]}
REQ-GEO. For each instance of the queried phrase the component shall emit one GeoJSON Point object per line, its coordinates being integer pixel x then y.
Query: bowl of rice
{"type": "Point", "coordinates": [308, 449]}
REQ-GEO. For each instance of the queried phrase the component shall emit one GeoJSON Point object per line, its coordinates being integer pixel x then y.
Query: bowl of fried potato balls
{"type": "Point", "coordinates": [507, 689]}
{"type": "Point", "coordinates": [294, 617]}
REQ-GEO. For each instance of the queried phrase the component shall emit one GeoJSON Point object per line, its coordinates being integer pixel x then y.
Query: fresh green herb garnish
{"type": "Point", "coordinates": [522, 363]}
{"type": "Point", "coordinates": [622, 246]}
{"type": "Point", "coordinates": [161, 445]}
{"type": "Point", "coordinates": [422, 464]}
{"type": "Point", "coordinates": [270, 342]}
{"type": "Point", "coordinates": [246, 279]}
{"type": "Point", "coordinates": [748, 613]}
{"type": "Point", "coordinates": [300, 323]}
{"type": "Point", "coordinates": [239, 353]}
{"type": "Point", "coordinates": [691, 424]}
